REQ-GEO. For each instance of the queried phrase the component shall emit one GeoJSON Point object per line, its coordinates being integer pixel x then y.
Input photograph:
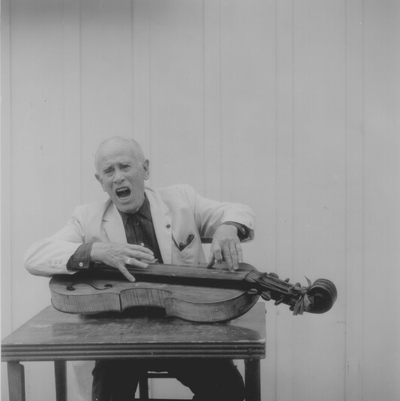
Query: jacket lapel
{"type": "Point", "coordinates": [113, 225]}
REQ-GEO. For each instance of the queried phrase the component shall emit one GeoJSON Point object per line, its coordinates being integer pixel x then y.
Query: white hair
{"type": "Point", "coordinates": [136, 148]}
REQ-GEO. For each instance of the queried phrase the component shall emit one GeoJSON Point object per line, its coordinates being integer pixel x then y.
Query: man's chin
{"type": "Point", "coordinates": [125, 207]}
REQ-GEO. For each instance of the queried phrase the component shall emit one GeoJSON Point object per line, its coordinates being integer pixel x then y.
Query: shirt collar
{"type": "Point", "coordinates": [144, 211]}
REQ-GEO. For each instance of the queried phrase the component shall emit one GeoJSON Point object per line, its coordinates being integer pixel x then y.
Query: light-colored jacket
{"type": "Point", "coordinates": [177, 212]}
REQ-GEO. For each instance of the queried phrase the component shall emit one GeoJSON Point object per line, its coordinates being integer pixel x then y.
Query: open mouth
{"type": "Point", "coordinates": [123, 193]}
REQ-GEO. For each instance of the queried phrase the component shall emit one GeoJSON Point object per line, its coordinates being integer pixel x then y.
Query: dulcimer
{"type": "Point", "coordinates": [197, 294]}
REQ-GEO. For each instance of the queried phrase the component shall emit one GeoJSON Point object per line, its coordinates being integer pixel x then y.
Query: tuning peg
{"type": "Point", "coordinates": [252, 291]}
{"type": "Point", "coordinates": [280, 300]}
{"type": "Point", "coordinates": [287, 280]}
{"type": "Point", "coordinates": [266, 296]}
{"type": "Point", "coordinates": [273, 275]}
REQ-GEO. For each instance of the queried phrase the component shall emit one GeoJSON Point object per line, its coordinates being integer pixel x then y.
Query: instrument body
{"type": "Point", "coordinates": [192, 293]}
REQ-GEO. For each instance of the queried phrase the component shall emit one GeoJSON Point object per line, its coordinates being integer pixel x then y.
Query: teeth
{"type": "Point", "coordinates": [123, 192]}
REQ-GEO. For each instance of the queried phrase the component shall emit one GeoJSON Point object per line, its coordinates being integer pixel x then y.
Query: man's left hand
{"type": "Point", "coordinates": [226, 246]}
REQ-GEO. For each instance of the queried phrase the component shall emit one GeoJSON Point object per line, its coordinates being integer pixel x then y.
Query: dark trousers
{"type": "Point", "coordinates": [208, 379]}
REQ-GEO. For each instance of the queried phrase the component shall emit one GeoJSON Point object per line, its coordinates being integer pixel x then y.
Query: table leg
{"type": "Point", "coordinates": [144, 387]}
{"type": "Point", "coordinates": [60, 370]}
{"type": "Point", "coordinates": [252, 379]}
{"type": "Point", "coordinates": [16, 381]}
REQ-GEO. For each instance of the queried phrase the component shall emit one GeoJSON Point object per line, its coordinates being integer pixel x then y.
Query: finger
{"type": "Point", "coordinates": [141, 248]}
{"type": "Point", "coordinates": [142, 256]}
{"type": "Point", "coordinates": [126, 273]}
{"type": "Point", "coordinates": [239, 252]}
{"type": "Point", "coordinates": [234, 256]}
{"type": "Point", "coordinates": [216, 250]}
{"type": "Point", "coordinates": [211, 260]}
{"type": "Point", "coordinates": [136, 262]}
{"type": "Point", "coordinates": [228, 257]}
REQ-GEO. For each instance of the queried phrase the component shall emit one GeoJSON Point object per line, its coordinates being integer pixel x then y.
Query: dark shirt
{"type": "Point", "coordinates": [139, 229]}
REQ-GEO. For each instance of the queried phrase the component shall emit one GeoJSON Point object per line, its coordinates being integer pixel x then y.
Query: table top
{"type": "Point", "coordinates": [53, 335]}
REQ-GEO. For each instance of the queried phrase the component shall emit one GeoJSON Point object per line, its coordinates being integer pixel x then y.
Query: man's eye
{"type": "Point", "coordinates": [125, 166]}
{"type": "Point", "coordinates": [108, 171]}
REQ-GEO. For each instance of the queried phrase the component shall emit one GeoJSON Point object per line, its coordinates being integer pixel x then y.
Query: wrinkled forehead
{"type": "Point", "coordinates": [114, 151]}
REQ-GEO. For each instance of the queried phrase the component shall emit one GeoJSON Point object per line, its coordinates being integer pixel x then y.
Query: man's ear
{"type": "Point", "coordinates": [98, 178]}
{"type": "Point", "coordinates": [146, 168]}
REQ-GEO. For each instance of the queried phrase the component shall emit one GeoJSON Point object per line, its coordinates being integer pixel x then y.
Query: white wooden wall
{"type": "Point", "coordinates": [290, 106]}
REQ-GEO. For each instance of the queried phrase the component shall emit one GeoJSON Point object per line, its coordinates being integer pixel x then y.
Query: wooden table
{"type": "Point", "coordinates": [61, 337]}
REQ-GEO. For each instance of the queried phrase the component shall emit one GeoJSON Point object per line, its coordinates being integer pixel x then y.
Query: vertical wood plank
{"type": "Point", "coordinates": [285, 132]}
{"type": "Point", "coordinates": [72, 161]}
{"type": "Point", "coordinates": [141, 77]}
{"type": "Point", "coordinates": [37, 105]}
{"type": "Point", "coordinates": [319, 192]}
{"type": "Point", "coordinates": [6, 200]}
{"type": "Point", "coordinates": [106, 76]}
{"type": "Point", "coordinates": [248, 136]}
{"type": "Point", "coordinates": [284, 189]}
{"type": "Point", "coordinates": [248, 105]}
{"type": "Point", "coordinates": [72, 106]}
{"type": "Point", "coordinates": [6, 174]}
{"type": "Point", "coordinates": [354, 199]}
{"type": "Point", "coordinates": [177, 92]}
{"type": "Point", "coordinates": [248, 116]}
{"type": "Point", "coordinates": [43, 164]}
{"type": "Point", "coordinates": [212, 99]}
{"type": "Point", "coordinates": [381, 200]}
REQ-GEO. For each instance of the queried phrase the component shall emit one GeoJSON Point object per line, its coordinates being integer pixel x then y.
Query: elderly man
{"type": "Point", "coordinates": [138, 225]}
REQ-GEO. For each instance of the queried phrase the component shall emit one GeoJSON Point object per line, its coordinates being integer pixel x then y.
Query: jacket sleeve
{"type": "Point", "coordinates": [50, 256]}
{"type": "Point", "coordinates": [210, 214]}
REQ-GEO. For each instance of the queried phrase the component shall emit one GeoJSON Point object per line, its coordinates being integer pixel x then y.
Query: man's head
{"type": "Point", "coordinates": [121, 169]}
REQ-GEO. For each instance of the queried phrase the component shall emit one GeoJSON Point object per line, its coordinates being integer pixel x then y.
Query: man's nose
{"type": "Point", "coordinates": [118, 176]}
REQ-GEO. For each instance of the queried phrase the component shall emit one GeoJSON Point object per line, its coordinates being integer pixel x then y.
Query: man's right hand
{"type": "Point", "coordinates": [118, 255]}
